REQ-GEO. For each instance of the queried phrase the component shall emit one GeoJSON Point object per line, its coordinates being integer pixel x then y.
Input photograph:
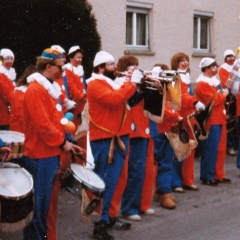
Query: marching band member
{"type": "Point", "coordinates": [74, 74]}
{"type": "Point", "coordinates": [138, 192]}
{"type": "Point", "coordinates": [223, 73]}
{"type": "Point", "coordinates": [45, 141]}
{"type": "Point", "coordinates": [73, 77]}
{"type": "Point", "coordinates": [213, 151]}
{"type": "Point", "coordinates": [7, 84]}
{"type": "Point", "coordinates": [167, 177]}
{"type": "Point", "coordinates": [189, 104]}
{"type": "Point", "coordinates": [16, 114]}
{"type": "Point", "coordinates": [109, 133]}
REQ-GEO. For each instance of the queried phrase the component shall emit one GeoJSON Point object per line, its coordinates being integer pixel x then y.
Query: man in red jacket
{"type": "Point", "coordinates": [45, 143]}
{"type": "Point", "coordinates": [109, 133]}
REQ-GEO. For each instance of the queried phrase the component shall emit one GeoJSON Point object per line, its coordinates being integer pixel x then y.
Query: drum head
{"type": "Point", "coordinates": [11, 136]}
{"type": "Point", "coordinates": [87, 177]}
{"type": "Point", "coordinates": [15, 182]}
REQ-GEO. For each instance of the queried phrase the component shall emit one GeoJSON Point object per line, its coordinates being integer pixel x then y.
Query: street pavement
{"type": "Point", "coordinates": [209, 214]}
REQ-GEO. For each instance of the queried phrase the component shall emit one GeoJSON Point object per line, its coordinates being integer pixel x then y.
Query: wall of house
{"type": "Point", "coordinates": [171, 29]}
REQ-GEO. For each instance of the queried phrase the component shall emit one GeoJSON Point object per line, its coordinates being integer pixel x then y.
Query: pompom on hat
{"type": "Point", "coordinates": [5, 52]}
{"type": "Point", "coordinates": [50, 53]}
{"type": "Point", "coordinates": [228, 52]}
{"type": "Point", "coordinates": [102, 57]}
{"type": "Point", "coordinates": [205, 62]}
{"type": "Point", "coordinates": [58, 48]}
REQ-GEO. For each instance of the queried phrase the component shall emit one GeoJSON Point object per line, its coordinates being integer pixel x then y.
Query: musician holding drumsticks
{"type": "Point", "coordinates": [45, 142]}
{"type": "Point", "coordinates": [213, 149]}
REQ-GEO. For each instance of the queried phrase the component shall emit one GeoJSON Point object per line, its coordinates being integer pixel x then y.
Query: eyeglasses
{"type": "Point", "coordinates": [184, 60]}
{"type": "Point", "coordinates": [111, 63]}
{"type": "Point", "coordinates": [9, 59]}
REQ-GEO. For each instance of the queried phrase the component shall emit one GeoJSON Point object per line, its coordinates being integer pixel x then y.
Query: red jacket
{"type": "Point", "coordinates": [41, 121]}
{"type": "Point", "coordinates": [108, 108]}
{"type": "Point", "coordinates": [205, 92]}
{"type": "Point", "coordinates": [16, 115]}
{"type": "Point", "coordinates": [6, 92]}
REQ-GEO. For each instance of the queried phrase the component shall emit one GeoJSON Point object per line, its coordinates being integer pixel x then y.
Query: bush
{"type": "Point", "coordinates": [29, 26]}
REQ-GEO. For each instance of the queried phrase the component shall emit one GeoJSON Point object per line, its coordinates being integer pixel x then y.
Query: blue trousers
{"type": "Point", "coordinates": [164, 156]}
{"type": "Point", "coordinates": [44, 172]}
{"type": "Point", "coordinates": [136, 170]}
{"type": "Point", "coordinates": [209, 151]}
{"type": "Point", "coordinates": [109, 173]}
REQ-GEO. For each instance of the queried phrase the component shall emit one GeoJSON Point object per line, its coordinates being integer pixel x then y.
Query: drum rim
{"type": "Point", "coordinates": [88, 186]}
{"type": "Point", "coordinates": [30, 178]}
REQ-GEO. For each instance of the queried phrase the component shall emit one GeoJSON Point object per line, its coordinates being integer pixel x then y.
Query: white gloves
{"type": "Point", "coordinates": [69, 104]}
{"type": "Point", "coordinates": [137, 76]}
{"type": "Point", "coordinates": [156, 71]}
{"type": "Point", "coordinates": [200, 106]}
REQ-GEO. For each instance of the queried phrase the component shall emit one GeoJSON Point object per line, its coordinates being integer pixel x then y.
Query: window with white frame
{"type": "Point", "coordinates": [137, 25]}
{"type": "Point", "coordinates": [201, 31]}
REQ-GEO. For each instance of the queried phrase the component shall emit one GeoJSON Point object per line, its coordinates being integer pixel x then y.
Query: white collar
{"type": "Point", "coordinates": [213, 81]}
{"type": "Point", "coordinates": [77, 70]}
{"type": "Point", "coordinates": [10, 73]}
{"type": "Point", "coordinates": [112, 83]}
{"type": "Point", "coordinates": [21, 88]}
{"type": "Point", "coordinates": [53, 88]}
{"type": "Point", "coordinates": [227, 67]}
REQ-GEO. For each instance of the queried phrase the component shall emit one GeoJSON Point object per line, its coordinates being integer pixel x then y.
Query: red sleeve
{"type": "Point", "coordinates": [205, 92]}
{"type": "Point", "coordinates": [223, 75]}
{"type": "Point", "coordinates": [187, 100]}
{"type": "Point", "coordinates": [6, 89]}
{"type": "Point", "coordinates": [106, 95]}
{"type": "Point", "coordinates": [75, 86]}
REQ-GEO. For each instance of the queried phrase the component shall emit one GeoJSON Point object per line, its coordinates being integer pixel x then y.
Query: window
{"type": "Point", "coordinates": [137, 25]}
{"type": "Point", "coordinates": [201, 31]}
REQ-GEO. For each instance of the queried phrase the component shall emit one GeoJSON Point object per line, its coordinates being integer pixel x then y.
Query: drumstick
{"type": "Point", "coordinates": [3, 159]}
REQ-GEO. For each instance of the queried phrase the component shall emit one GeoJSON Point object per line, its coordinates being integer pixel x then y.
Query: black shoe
{"type": "Point", "coordinates": [224, 180]}
{"type": "Point", "coordinates": [116, 224]}
{"type": "Point", "coordinates": [210, 183]}
{"type": "Point", "coordinates": [100, 233]}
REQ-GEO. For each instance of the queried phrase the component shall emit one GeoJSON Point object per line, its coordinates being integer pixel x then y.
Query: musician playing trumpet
{"type": "Point", "coordinates": [213, 151]}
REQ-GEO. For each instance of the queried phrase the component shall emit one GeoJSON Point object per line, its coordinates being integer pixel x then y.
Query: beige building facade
{"type": "Point", "coordinates": [154, 30]}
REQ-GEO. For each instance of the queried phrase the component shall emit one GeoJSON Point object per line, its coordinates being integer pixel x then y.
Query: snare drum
{"type": "Point", "coordinates": [14, 140]}
{"type": "Point", "coordinates": [86, 184]}
{"type": "Point", "coordinates": [16, 197]}
{"type": "Point", "coordinates": [78, 177]}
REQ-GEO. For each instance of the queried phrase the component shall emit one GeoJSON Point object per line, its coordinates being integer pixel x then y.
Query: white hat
{"type": "Point", "coordinates": [102, 57]}
{"type": "Point", "coordinates": [228, 52]}
{"type": "Point", "coordinates": [58, 48]}
{"type": "Point", "coordinates": [205, 62]}
{"type": "Point", "coordinates": [73, 49]}
{"type": "Point", "coordinates": [5, 52]}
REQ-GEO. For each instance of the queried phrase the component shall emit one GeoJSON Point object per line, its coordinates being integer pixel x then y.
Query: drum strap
{"type": "Point", "coordinates": [115, 135]}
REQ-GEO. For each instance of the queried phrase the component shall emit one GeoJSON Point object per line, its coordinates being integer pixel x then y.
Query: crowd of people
{"type": "Point", "coordinates": [137, 149]}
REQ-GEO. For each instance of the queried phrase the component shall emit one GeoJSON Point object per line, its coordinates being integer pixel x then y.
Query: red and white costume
{"type": "Point", "coordinates": [7, 77]}
{"type": "Point", "coordinates": [16, 115]}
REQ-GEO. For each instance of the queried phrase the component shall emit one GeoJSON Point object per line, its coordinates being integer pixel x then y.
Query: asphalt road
{"type": "Point", "coordinates": [209, 214]}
